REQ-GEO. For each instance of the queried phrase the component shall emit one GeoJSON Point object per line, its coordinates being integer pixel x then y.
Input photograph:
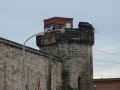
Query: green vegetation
{"type": "Point", "coordinates": [65, 87]}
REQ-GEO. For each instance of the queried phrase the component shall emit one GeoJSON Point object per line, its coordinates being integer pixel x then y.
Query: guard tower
{"type": "Point", "coordinates": [74, 46]}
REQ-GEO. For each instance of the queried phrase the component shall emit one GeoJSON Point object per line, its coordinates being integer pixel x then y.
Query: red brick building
{"type": "Point", "coordinates": [107, 84]}
{"type": "Point", "coordinates": [59, 22]}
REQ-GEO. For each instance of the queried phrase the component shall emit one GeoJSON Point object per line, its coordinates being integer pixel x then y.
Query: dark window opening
{"type": "Point", "coordinates": [79, 83]}
{"type": "Point", "coordinates": [60, 26]}
{"type": "Point", "coordinates": [49, 39]}
{"type": "Point", "coordinates": [43, 43]}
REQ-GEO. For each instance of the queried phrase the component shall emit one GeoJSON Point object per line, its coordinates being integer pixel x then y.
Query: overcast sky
{"type": "Point", "coordinates": [19, 19]}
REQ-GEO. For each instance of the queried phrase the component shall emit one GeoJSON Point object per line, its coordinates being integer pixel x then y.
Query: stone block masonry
{"type": "Point", "coordinates": [77, 61]}
{"type": "Point", "coordinates": [74, 46]}
{"type": "Point", "coordinates": [36, 68]}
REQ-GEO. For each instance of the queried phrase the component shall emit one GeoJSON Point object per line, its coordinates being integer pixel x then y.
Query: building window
{"type": "Point", "coordinates": [43, 43]}
{"type": "Point", "coordinates": [68, 25]}
{"type": "Point", "coordinates": [49, 39]}
{"type": "Point", "coordinates": [60, 26]}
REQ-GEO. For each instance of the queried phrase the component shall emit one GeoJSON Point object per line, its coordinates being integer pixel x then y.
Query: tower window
{"type": "Point", "coordinates": [60, 26]}
{"type": "Point", "coordinates": [68, 25]}
{"type": "Point", "coordinates": [49, 39]}
{"type": "Point", "coordinates": [43, 43]}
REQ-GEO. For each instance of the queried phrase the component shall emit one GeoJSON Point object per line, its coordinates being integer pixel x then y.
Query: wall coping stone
{"type": "Point", "coordinates": [20, 46]}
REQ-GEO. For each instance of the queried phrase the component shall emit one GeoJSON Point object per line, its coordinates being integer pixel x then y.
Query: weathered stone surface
{"type": "Point", "coordinates": [77, 60]}
{"type": "Point", "coordinates": [36, 68]}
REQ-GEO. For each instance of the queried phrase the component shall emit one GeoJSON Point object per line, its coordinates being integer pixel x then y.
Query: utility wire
{"type": "Point", "coordinates": [107, 67]}
{"type": "Point", "coordinates": [106, 52]}
{"type": "Point", "coordinates": [105, 61]}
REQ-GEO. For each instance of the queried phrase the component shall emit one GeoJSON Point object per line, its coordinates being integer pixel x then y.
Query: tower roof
{"type": "Point", "coordinates": [58, 18]}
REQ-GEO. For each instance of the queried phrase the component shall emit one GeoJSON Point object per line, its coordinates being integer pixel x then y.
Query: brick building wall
{"type": "Point", "coordinates": [59, 21]}
{"type": "Point", "coordinates": [107, 84]}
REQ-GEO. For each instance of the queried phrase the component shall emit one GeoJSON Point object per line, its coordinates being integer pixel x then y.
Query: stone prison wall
{"type": "Point", "coordinates": [36, 68]}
